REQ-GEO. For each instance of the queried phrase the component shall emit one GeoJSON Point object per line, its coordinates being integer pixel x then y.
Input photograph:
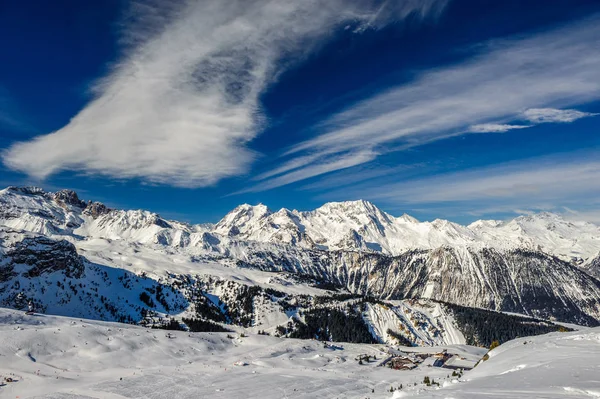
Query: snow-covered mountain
{"type": "Point", "coordinates": [350, 225]}
{"type": "Point", "coordinates": [593, 267]}
{"type": "Point", "coordinates": [360, 225]}
{"type": "Point", "coordinates": [538, 265]}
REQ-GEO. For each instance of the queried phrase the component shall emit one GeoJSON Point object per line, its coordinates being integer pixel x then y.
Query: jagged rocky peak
{"type": "Point", "coordinates": [96, 209]}
{"type": "Point", "coordinates": [451, 229]}
{"type": "Point", "coordinates": [440, 223]}
{"type": "Point", "coordinates": [133, 219]}
{"type": "Point", "coordinates": [159, 221]}
{"type": "Point", "coordinates": [247, 212]}
{"type": "Point", "coordinates": [68, 197]}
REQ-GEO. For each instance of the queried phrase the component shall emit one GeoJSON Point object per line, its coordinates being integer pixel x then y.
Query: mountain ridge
{"type": "Point", "coordinates": [518, 266]}
{"type": "Point", "coordinates": [347, 225]}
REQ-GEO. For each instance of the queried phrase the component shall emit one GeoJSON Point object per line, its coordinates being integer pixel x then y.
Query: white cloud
{"type": "Point", "coordinates": [295, 163]}
{"type": "Point", "coordinates": [494, 128]}
{"type": "Point", "coordinates": [353, 176]}
{"type": "Point", "coordinates": [553, 69]}
{"type": "Point", "coordinates": [183, 104]}
{"type": "Point", "coordinates": [551, 115]}
{"type": "Point", "coordinates": [565, 184]}
{"type": "Point", "coordinates": [314, 169]}
{"type": "Point", "coordinates": [588, 215]}
{"type": "Point", "coordinates": [553, 181]}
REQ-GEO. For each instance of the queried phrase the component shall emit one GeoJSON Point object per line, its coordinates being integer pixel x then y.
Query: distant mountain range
{"type": "Point", "coordinates": [81, 258]}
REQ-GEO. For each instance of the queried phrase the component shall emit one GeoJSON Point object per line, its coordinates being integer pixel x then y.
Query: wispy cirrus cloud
{"type": "Point", "coordinates": [510, 80]}
{"type": "Point", "coordinates": [534, 116]}
{"type": "Point", "coordinates": [543, 183]}
{"type": "Point", "coordinates": [183, 104]}
{"type": "Point", "coordinates": [588, 215]}
{"type": "Point", "coordinates": [494, 128]}
{"type": "Point", "coordinates": [355, 176]}
{"type": "Point", "coordinates": [545, 179]}
{"type": "Point", "coordinates": [551, 115]}
{"type": "Point", "coordinates": [337, 162]}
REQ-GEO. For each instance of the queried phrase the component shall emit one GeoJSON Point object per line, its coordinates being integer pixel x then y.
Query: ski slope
{"type": "Point", "coordinates": [66, 358]}
{"type": "Point", "coordinates": [557, 365]}
{"type": "Point", "coordinates": [59, 357]}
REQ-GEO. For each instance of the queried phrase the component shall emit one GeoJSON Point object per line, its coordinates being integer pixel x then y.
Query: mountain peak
{"type": "Point", "coordinates": [241, 218]}
{"type": "Point", "coordinates": [360, 203]}
{"type": "Point", "coordinates": [408, 219]}
{"type": "Point", "coordinates": [485, 223]}
{"type": "Point", "coordinates": [545, 216]}
{"type": "Point", "coordinates": [68, 197]}
{"type": "Point", "coordinates": [351, 208]}
{"type": "Point", "coordinates": [334, 225]}
{"type": "Point", "coordinates": [259, 208]}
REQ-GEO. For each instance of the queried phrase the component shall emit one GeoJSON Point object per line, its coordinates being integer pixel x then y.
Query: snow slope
{"type": "Point", "coordinates": [57, 357]}
{"type": "Point", "coordinates": [423, 322]}
{"type": "Point", "coordinates": [557, 365]}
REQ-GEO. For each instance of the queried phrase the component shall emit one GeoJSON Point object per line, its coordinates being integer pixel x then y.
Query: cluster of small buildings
{"type": "Point", "coordinates": [407, 360]}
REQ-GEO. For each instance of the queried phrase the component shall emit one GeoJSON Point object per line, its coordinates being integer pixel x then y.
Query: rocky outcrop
{"type": "Point", "coordinates": [96, 209]}
{"type": "Point", "coordinates": [44, 255]}
{"type": "Point", "coordinates": [68, 197]}
{"type": "Point", "coordinates": [521, 281]}
{"type": "Point", "coordinates": [593, 267]}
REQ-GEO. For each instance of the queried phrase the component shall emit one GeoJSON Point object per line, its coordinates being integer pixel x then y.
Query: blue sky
{"type": "Point", "coordinates": [441, 109]}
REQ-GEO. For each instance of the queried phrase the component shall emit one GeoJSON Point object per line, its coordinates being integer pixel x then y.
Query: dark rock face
{"type": "Point", "coordinates": [594, 267]}
{"type": "Point", "coordinates": [45, 255]}
{"type": "Point", "coordinates": [157, 220]}
{"type": "Point", "coordinates": [521, 281]}
{"type": "Point", "coordinates": [96, 209]}
{"type": "Point", "coordinates": [68, 197]}
{"type": "Point", "coordinates": [51, 274]}
{"type": "Point", "coordinates": [28, 190]}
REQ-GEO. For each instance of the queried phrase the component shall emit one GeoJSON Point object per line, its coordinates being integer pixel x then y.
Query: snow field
{"type": "Point", "coordinates": [59, 357]}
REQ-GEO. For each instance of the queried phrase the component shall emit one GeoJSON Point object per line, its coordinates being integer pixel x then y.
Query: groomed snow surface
{"type": "Point", "coordinates": [58, 357]}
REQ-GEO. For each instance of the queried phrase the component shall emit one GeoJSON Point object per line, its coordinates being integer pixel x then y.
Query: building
{"type": "Point", "coordinates": [401, 363]}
